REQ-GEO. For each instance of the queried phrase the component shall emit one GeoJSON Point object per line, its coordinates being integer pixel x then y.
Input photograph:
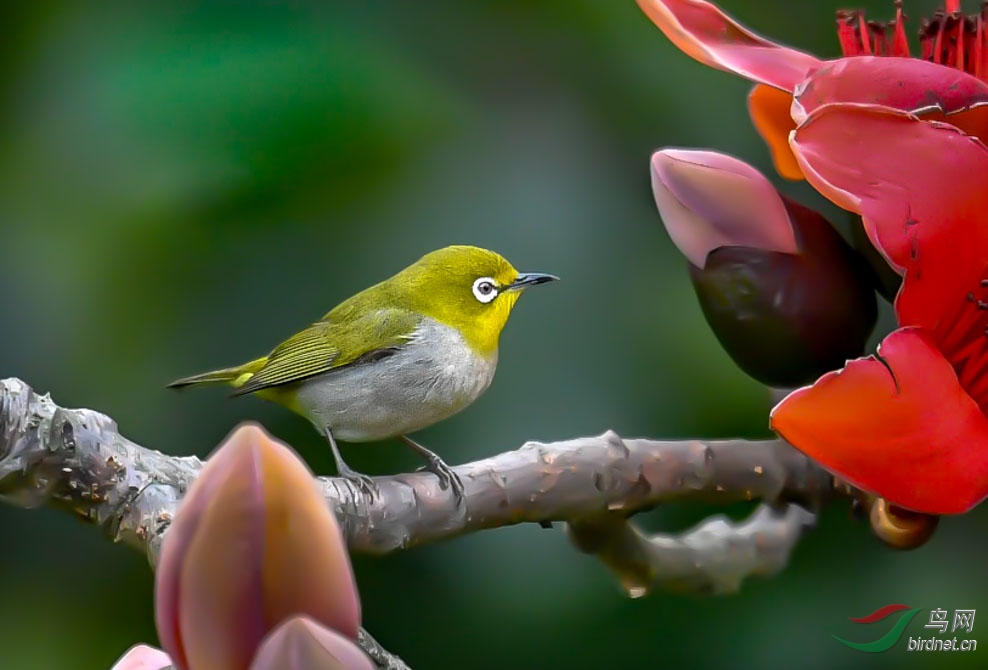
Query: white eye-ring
{"type": "Point", "coordinates": [485, 289]}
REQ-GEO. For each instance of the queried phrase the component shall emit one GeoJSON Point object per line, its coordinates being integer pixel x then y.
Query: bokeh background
{"type": "Point", "coordinates": [183, 185]}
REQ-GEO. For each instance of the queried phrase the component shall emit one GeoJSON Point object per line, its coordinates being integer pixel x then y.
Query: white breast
{"type": "Point", "coordinates": [431, 378]}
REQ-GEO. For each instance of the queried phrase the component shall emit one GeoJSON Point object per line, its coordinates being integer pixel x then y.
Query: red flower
{"type": "Point", "coordinates": [791, 83]}
{"type": "Point", "coordinates": [896, 140]}
{"type": "Point", "coordinates": [908, 424]}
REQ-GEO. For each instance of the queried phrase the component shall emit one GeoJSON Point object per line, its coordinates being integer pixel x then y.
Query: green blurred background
{"type": "Point", "coordinates": [182, 185]}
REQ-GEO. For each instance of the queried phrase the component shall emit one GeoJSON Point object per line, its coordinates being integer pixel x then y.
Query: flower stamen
{"type": "Point", "coordinates": [959, 41]}
{"type": "Point", "coordinates": [878, 38]}
{"type": "Point", "coordinates": [862, 33]}
{"type": "Point", "coordinates": [940, 24]}
{"type": "Point", "coordinates": [979, 43]}
{"type": "Point", "coordinates": [948, 37]}
{"type": "Point", "coordinates": [900, 44]}
{"type": "Point", "coordinates": [848, 33]}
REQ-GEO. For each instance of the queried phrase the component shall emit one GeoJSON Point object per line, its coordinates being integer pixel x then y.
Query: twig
{"type": "Point", "coordinates": [382, 658]}
{"type": "Point", "coordinates": [713, 558]}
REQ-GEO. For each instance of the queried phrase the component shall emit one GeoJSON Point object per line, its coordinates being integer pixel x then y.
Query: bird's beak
{"type": "Point", "coordinates": [526, 279]}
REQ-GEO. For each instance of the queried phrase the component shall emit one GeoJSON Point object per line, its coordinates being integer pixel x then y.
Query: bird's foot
{"type": "Point", "coordinates": [447, 478]}
{"type": "Point", "coordinates": [364, 483]}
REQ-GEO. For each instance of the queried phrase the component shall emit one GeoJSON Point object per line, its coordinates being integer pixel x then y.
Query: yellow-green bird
{"type": "Point", "coordinates": [396, 357]}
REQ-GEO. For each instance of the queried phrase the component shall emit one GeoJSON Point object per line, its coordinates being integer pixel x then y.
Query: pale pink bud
{"type": "Point", "coordinates": [709, 200]}
{"type": "Point", "coordinates": [253, 543]}
{"type": "Point", "coordinates": [143, 657]}
{"type": "Point", "coordinates": [302, 644]}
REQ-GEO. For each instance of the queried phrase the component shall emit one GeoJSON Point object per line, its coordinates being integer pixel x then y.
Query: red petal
{"type": "Point", "coordinates": [917, 184]}
{"type": "Point", "coordinates": [900, 427]}
{"type": "Point", "coordinates": [707, 34]}
{"type": "Point", "coordinates": [922, 189]}
{"type": "Point", "coordinates": [769, 110]}
{"type": "Point", "coordinates": [912, 85]}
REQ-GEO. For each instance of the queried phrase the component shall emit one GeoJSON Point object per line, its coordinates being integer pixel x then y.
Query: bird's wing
{"type": "Point", "coordinates": [330, 344]}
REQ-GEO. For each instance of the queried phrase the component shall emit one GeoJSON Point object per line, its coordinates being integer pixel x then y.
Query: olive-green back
{"type": "Point", "coordinates": [384, 317]}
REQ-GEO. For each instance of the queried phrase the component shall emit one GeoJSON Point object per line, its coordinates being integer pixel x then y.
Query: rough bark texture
{"type": "Point", "coordinates": [75, 459]}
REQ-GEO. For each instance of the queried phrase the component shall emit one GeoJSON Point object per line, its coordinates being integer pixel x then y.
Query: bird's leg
{"type": "Point", "coordinates": [362, 481]}
{"type": "Point", "coordinates": [437, 466]}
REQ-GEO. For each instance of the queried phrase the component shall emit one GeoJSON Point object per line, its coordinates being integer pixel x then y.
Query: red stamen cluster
{"type": "Point", "coordinates": [948, 37]}
{"type": "Point", "coordinates": [859, 37]}
{"type": "Point", "coordinates": [953, 39]}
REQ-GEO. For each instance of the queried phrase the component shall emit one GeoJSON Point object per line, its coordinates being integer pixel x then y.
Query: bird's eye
{"type": "Point", "coordinates": [484, 289]}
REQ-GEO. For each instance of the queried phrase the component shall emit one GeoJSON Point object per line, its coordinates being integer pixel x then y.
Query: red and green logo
{"type": "Point", "coordinates": [885, 642]}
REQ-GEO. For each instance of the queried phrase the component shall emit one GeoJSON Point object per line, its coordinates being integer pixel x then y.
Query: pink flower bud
{"type": "Point", "coordinates": [302, 644]}
{"type": "Point", "coordinates": [253, 544]}
{"type": "Point", "coordinates": [709, 200]}
{"type": "Point", "coordinates": [143, 657]}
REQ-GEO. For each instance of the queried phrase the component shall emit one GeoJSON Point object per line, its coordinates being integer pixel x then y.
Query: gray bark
{"type": "Point", "coordinates": [76, 460]}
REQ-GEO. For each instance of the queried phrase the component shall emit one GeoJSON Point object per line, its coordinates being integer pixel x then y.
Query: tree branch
{"type": "Point", "coordinates": [75, 459]}
{"type": "Point", "coordinates": [572, 479]}
{"type": "Point", "coordinates": [713, 558]}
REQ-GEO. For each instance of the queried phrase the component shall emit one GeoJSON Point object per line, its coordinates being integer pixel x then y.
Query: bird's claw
{"type": "Point", "coordinates": [364, 483]}
{"type": "Point", "coordinates": [447, 478]}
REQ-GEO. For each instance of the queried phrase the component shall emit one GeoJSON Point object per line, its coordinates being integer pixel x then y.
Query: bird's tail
{"type": "Point", "coordinates": [235, 376]}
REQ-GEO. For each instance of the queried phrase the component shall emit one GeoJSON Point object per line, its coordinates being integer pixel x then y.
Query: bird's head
{"type": "Point", "coordinates": [468, 288]}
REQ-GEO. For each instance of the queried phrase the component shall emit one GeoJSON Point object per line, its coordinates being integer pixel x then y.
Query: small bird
{"type": "Point", "coordinates": [394, 358]}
